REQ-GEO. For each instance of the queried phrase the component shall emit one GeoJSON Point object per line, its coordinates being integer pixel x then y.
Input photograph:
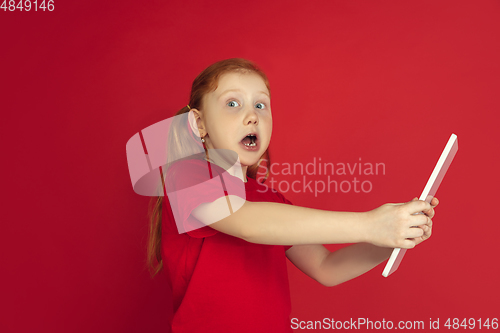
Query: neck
{"type": "Point", "coordinates": [244, 171]}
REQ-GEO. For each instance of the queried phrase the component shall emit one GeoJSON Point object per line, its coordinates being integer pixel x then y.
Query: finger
{"type": "Point", "coordinates": [426, 228]}
{"type": "Point", "coordinates": [434, 202]}
{"type": "Point", "coordinates": [414, 232]}
{"type": "Point", "coordinates": [429, 223]}
{"type": "Point", "coordinates": [430, 213]}
{"type": "Point", "coordinates": [408, 244]}
{"type": "Point", "coordinates": [418, 219]}
{"type": "Point", "coordinates": [418, 206]}
{"type": "Point", "coordinates": [427, 231]}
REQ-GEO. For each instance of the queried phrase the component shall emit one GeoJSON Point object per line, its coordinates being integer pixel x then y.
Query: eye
{"type": "Point", "coordinates": [260, 106]}
{"type": "Point", "coordinates": [233, 104]}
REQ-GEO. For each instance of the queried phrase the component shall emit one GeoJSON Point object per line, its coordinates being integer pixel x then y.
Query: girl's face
{"type": "Point", "coordinates": [239, 106]}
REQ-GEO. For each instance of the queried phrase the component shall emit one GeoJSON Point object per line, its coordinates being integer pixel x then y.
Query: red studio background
{"type": "Point", "coordinates": [351, 81]}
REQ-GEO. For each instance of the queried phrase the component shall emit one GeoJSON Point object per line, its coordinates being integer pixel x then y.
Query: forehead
{"type": "Point", "coordinates": [247, 82]}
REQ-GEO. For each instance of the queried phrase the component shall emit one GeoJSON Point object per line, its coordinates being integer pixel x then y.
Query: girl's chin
{"type": "Point", "coordinates": [246, 162]}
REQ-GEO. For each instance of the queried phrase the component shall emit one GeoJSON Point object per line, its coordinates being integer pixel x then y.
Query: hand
{"type": "Point", "coordinates": [427, 228]}
{"type": "Point", "coordinates": [397, 225]}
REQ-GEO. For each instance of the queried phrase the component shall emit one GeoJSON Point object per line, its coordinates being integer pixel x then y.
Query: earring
{"type": "Point", "coordinates": [202, 140]}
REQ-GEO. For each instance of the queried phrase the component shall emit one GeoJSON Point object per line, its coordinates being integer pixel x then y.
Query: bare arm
{"type": "Point", "coordinates": [333, 268]}
{"type": "Point", "coordinates": [282, 224]}
{"type": "Point", "coordinates": [351, 261]}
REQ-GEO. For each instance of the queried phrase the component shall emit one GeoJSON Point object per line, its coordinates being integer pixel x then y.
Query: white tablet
{"type": "Point", "coordinates": [429, 191]}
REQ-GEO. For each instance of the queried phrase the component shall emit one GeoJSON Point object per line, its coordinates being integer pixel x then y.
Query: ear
{"type": "Point", "coordinates": [195, 122]}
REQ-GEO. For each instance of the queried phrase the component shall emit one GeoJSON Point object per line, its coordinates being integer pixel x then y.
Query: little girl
{"type": "Point", "coordinates": [228, 272]}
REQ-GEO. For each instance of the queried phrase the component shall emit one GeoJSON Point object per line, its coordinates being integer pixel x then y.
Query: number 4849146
{"type": "Point", "coordinates": [27, 5]}
{"type": "Point", "coordinates": [472, 323]}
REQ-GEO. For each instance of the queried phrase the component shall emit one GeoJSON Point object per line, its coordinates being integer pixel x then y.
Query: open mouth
{"type": "Point", "coordinates": [250, 140]}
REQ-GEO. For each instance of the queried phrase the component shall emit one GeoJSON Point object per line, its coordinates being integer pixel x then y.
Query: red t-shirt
{"type": "Point", "coordinates": [222, 283]}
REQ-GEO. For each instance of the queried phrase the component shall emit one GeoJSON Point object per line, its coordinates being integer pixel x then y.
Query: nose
{"type": "Point", "coordinates": [251, 117]}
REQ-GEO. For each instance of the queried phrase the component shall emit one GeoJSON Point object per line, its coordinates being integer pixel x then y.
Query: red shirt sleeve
{"type": "Point", "coordinates": [190, 183]}
{"type": "Point", "coordinates": [285, 200]}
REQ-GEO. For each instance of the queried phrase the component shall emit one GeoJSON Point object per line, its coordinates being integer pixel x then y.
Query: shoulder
{"type": "Point", "coordinates": [187, 172]}
{"type": "Point", "coordinates": [195, 162]}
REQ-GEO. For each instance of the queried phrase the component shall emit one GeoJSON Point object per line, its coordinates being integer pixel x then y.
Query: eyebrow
{"type": "Point", "coordinates": [230, 90]}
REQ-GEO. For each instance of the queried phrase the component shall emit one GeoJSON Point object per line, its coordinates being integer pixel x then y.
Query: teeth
{"type": "Point", "coordinates": [253, 143]}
